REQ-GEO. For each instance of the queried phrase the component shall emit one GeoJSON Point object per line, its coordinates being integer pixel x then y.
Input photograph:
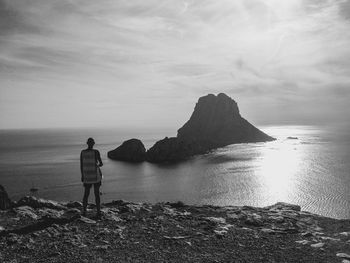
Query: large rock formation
{"type": "Point", "coordinates": [130, 151]}
{"type": "Point", "coordinates": [215, 122]}
{"type": "Point", "coordinates": [5, 202]}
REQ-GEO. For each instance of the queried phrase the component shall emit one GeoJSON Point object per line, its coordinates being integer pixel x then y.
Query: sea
{"type": "Point", "coordinates": [306, 165]}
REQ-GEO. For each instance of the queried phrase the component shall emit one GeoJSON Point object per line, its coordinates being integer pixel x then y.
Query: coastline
{"type": "Point", "coordinates": [294, 171]}
{"type": "Point", "coordinates": [38, 230]}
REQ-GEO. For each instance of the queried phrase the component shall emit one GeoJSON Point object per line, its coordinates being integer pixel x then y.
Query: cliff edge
{"type": "Point", "coordinates": [37, 230]}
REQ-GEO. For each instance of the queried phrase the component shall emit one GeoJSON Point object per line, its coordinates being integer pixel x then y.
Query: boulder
{"type": "Point", "coordinates": [130, 151]}
{"type": "Point", "coordinates": [26, 211]}
{"type": "Point", "coordinates": [40, 203]}
{"type": "Point", "coordinates": [5, 202]}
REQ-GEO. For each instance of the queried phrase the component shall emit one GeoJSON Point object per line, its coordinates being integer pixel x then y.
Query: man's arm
{"type": "Point", "coordinates": [81, 166]}
{"type": "Point", "coordinates": [99, 158]}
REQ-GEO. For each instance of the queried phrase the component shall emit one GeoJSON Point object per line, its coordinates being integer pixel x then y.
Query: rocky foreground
{"type": "Point", "coordinates": [36, 230]}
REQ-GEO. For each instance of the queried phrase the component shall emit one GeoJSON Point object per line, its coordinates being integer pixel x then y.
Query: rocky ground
{"type": "Point", "coordinates": [37, 230]}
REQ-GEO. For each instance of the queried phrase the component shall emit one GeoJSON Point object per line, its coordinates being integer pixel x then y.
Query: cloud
{"type": "Point", "coordinates": [156, 55]}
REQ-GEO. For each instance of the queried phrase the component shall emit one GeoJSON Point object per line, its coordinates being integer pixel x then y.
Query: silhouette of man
{"type": "Point", "coordinates": [90, 163]}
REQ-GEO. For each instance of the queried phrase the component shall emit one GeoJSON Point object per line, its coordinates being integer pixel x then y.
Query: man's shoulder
{"type": "Point", "coordinates": [90, 150]}
{"type": "Point", "coordinates": [86, 150]}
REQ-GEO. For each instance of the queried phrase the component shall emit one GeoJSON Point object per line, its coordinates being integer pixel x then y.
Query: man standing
{"type": "Point", "coordinates": [90, 163]}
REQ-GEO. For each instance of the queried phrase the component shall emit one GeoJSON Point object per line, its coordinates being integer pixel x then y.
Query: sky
{"type": "Point", "coordinates": [145, 63]}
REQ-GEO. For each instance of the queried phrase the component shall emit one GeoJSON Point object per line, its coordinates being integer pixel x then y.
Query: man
{"type": "Point", "coordinates": [90, 163]}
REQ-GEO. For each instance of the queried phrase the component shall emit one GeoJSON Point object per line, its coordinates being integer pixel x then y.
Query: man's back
{"type": "Point", "coordinates": [89, 166]}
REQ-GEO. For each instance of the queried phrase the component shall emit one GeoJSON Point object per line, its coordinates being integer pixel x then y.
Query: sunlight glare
{"type": "Point", "coordinates": [278, 168]}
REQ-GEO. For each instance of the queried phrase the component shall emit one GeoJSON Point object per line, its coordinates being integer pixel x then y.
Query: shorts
{"type": "Point", "coordinates": [95, 185]}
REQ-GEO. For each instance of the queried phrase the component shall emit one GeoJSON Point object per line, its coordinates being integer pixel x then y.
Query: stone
{"type": "Point", "coordinates": [40, 203]}
{"type": "Point", "coordinates": [330, 239]}
{"type": "Point", "coordinates": [318, 229]}
{"type": "Point", "coordinates": [306, 234]}
{"type": "Point", "coordinates": [284, 206]}
{"type": "Point", "coordinates": [277, 219]}
{"type": "Point", "coordinates": [26, 211]}
{"type": "Point", "coordinates": [343, 256]}
{"type": "Point", "coordinates": [268, 230]}
{"type": "Point", "coordinates": [254, 220]}
{"type": "Point", "coordinates": [318, 245]}
{"type": "Point", "coordinates": [74, 204]}
{"type": "Point", "coordinates": [71, 212]}
{"type": "Point", "coordinates": [234, 216]}
{"type": "Point", "coordinates": [302, 242]}
{"type": "Point", "coordinates": [5, 201]}
{"type": "Point", "coordinates": [220, 232]}
{"type": "Point", "coordinates": [112, 217]}
{"type": "Point", "coordinates": [86, 220]}
{"type": "Point", "coordinates": [50, 212]}
{"type": "Point", "coordinates": [131, 150]}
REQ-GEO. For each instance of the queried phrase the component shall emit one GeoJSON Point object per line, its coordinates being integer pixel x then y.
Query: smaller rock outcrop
{"type": "Point", "coordinates": [5, 201]}
{"type": "Point", "coordinates": [173, 149]}
{"type": "Point", "coordinates": [131, 150]}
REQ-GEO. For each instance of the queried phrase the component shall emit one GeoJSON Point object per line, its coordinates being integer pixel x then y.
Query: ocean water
{"type": "Point", "coordinates": [312, 170]}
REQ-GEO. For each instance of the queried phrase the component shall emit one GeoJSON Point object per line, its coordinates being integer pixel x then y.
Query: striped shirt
{"type": "Point", "coordinates": [90, 171]}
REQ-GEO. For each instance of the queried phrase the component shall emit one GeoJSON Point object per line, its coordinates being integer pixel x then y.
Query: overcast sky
{"type": "Point", "coordinates": [144, 63]}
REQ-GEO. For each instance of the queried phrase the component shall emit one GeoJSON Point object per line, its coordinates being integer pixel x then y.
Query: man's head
{"type": "Point", "coordinates": [90, 142]}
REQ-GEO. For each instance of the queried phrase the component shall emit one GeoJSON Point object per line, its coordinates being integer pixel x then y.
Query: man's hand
{"type": "Point", "coordinates": [100, 164]}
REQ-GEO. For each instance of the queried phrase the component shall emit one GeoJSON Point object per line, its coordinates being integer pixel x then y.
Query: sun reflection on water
{"type": "Point", "coordinates": [277, 170]}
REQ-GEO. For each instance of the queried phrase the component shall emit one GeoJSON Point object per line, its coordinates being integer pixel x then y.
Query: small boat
{"type": "Point", "coordinates": [33, 190]}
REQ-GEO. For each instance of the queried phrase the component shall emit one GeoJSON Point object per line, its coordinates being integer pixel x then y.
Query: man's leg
{"type": "Point", "coordinates": [97, 198]}
{"type": "Point", "coordinates": [86, 197]}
